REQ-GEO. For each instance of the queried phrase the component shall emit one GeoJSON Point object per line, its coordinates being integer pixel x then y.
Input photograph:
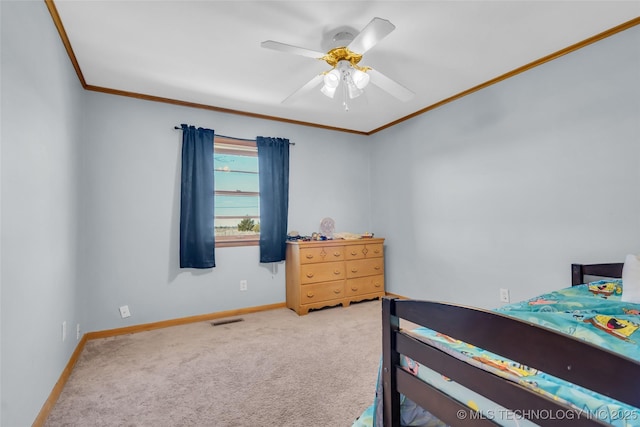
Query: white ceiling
{"type": "Point", "coordinates": [208, 52]}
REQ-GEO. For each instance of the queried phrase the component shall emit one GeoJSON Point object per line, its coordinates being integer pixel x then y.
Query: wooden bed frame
{"type": "Point", "coordinates": [571, 359]}
{"type": "Point", "coordinates": [578, 271]}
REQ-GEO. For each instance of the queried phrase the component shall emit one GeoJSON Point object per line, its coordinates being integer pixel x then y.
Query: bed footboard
{"type": "Point", "coordinates": [573, 360]}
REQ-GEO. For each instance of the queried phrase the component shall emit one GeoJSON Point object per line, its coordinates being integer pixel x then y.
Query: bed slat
{"type": "Point", "coordinates": [430, 397]}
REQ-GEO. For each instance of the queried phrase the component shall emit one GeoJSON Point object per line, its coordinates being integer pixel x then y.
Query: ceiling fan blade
{"type": "Point", "coordinates": [374, 31]}
{"type": "Point", "coordinates": [306, 88]}
{"type": "Point", "coordinates": [394, 88]}
{"type": "Point", "coordinates": [287, 48]}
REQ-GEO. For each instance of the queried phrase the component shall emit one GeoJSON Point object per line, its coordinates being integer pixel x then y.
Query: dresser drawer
{"type": "Point", "coordinates": [364, 285]}
{"type": "Point", "coordinates": [374, 250]}
{"type": "Point", "coordinates": [365, 267]}
{"type": "Point", "coordinates": [354, 252]}
{"type": "Point", "coordinates": [323, 254]}
{"type": "Point", "coordinates": [312, 273]}
{"type": "Point", "coordinates": [318, 292]}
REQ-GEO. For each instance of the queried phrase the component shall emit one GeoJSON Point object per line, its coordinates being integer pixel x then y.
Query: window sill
{"type": "Point", "coordinates": [228, 243]}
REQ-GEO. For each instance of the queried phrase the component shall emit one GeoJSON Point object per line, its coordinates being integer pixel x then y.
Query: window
{"type": "Point", "coordinates": [237, 192]}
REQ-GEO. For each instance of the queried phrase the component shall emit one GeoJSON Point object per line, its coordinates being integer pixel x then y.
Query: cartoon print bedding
{"type": "Point", "coordinates": [593, 312]}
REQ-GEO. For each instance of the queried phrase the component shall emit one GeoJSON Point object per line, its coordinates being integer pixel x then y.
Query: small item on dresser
{"type": "Point", "coordinates": [367, 235]}
{"type": "Point", "coordinates": [327, 226]}
{"type": "Point", "coordinates": [318, 236]}
{"type": "Point", "coordinates": [293, 235]}
{"type": "Point", "coordinates": [346, 236]}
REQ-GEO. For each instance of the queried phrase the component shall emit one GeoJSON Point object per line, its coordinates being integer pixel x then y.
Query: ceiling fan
{"type": "Point", "coordinates": [344, 59]}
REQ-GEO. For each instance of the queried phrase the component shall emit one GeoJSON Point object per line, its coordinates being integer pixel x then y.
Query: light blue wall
{"type": "Point", "coordinates": [41, 112]}
{"type": "Point", "coordinates": [505, 188]}
{"type": "Point", "coordinates": [130, 210]}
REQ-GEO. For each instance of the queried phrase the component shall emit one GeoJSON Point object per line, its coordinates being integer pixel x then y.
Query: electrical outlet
{"type": "Point", "coordinates": [243, 285]}
{"type": "Point", "coordinates": [124, 311]}
{"type": "Point", "coordinates": [504, 295]}
{"type": "Point", "coordinates": [77, 331]}
{"type": "Point", "coordinates": [64, 330]}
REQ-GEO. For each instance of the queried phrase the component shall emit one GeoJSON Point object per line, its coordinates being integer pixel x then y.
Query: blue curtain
{"type": "Point", "coordinates": [197, 241]}
{"type": "Point", "coordinates": [273, 162]}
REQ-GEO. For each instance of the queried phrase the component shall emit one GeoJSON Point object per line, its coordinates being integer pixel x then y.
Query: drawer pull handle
{"type": "Point", "coordinates": [377, 267]}
{"type": "Point", "coordinates": [309, 256]}
{"type": "Point", "coordinates": [337, 272]}
{"type": "Point", "coordinates": [377, 284]}
{"type": "Point", "coordinates": [377, 251]}
{"type": "Point", "coordinates": [309, 275]}
{"type": "Point", "coordinates": [354, 253]}
{"type": "Point", "coordinates": [354, 270]}
{"type": "Point", "coordinates": [337, 254]}
{"type": "Point", "coordinates": [337, 290]}
{"type": "Point", "coordinates": [310, 294]}
{"type": "Point", "coordinates": [353, 288]}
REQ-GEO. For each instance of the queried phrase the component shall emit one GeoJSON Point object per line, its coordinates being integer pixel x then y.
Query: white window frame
{"type": "Point", "coordinates": [223, 145]}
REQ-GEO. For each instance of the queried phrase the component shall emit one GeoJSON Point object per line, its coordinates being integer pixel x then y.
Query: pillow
{"type": "Point", "coordinates": [631, 279]}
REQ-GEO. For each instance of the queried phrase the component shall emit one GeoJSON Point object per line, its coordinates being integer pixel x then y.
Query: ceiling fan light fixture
{"type": "Point", "coordinates": [328, 91]}
{"type": "Point", "coordinates": [354, 91]}
{"type": "Point", "coordinates": [332, 79]}
{"type": "Point", "coordinates": [360, 78]}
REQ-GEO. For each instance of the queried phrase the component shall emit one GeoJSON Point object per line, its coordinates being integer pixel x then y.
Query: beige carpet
{"type": "Point", "coordinates": [274, 368]}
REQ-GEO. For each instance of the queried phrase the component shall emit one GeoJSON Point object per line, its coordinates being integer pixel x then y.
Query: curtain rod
{"type": "Point", "coordinates": [231, 137]}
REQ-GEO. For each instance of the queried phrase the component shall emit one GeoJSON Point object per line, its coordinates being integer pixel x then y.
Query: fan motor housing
{"type": "Point", "coordinates": [341, 54]}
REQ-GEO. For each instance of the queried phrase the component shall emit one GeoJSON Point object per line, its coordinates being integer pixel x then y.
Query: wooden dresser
{"type": "Point", "coordinates": [332, 272]}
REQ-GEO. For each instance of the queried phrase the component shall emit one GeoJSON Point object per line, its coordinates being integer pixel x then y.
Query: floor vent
{"type": "Point", "coordinates": [226, 321]}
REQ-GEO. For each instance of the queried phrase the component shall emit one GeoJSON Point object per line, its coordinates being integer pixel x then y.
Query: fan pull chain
{"type": "Point", "coordinates": [345, 94]}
